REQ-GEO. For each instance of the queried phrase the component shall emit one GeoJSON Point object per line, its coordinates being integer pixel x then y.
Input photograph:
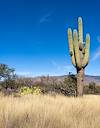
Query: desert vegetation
{"type": "Point", "coordinates": [50, 101]}
{"type": "Point", "coordinates": [47, 102]}
{"type": "Point", "coordinates": [44, 111]}
{"type": "Point", "coordinates": [11, 84]}
{"type": "Point", "coordinates": [79, 52]}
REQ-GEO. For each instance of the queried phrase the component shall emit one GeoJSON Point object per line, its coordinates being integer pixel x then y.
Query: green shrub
{"type": "Point", "coordinates": [97, 89]}
{"type": "Point", "coordinates": [86, 89]}
{"type": "Point", "coordinates": [70, 85]}
{"type": "Point", "coordinates": [25, 90]}
{"type": "Point", "coordinates": [92, 87]}
{"type": "Point", "coordinates": [30, 90]}
{"type": "Point", "coordinates": [36, 90]}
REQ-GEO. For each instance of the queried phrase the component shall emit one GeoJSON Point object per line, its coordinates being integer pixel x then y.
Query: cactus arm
{"type": "Point", "coordinates": [77, 52]}
{"type": "Point", "coordinates": [80, 30]}
{"type": "Point", "coordinates": [71, 47]}
{"type": "Point", "coordinates": [87, 50]}
{"type": "Point", "coordinates": [70, 40]}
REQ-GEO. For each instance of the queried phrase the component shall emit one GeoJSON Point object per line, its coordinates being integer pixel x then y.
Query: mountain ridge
{"type": "Point", "coordinates": [87, 79]}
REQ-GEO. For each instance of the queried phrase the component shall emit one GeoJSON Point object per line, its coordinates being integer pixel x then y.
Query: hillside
{"type": "Point", "coordinates": [88, 79]}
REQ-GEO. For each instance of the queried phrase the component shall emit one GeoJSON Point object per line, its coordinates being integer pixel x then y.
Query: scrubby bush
{"type": "Point", "coordinates": [30, 90]}
{"type": "Point", "coordinates": [37, 90]}
{"type": "Point", "coordinates": [86, 89]}
{"type": "Point", "coordinates": [70, 85]}
{"type": "Point", "coordinates": [25, 90]}
{"type": "Point", "coordinates": [92, 87]}
{"type": "Point", "coordinates": [97, 89]}
{"type": "Point", "coordinates": [67, 87]}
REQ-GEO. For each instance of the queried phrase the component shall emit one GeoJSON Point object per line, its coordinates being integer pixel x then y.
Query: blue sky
{"type": "Point", "coordinates": [33, 35]}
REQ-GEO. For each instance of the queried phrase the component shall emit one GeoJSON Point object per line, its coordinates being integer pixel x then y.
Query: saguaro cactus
{"type": "Point", "coordinates": [79, 52]}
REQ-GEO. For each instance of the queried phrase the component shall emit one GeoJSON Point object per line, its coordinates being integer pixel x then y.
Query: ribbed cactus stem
{"type": "Point", "coordinates": [70, 39]}
{"type": "Point", "coordinates": [87, 50]}
{"type": "Point", "coordinates": [71, 47]}
{"type": "Point", "coordinates": [80, 30]}
{"type": "Point", "coordinates": [79, 53]}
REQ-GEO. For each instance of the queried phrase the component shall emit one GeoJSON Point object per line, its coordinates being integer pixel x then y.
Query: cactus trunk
{"type": "Point", "coordinates": [80, 82]}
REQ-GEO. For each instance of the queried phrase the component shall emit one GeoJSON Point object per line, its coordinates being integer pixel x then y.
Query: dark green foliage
{"type": "Point", "coordinates": [7, 76]}
{"type": "Point", "coordinates": [86, 89]}
{"type": "Point", "coordinates": [6, 72]}
{"type": "Point", "coordinates": [92, 86]}
{"type": "Point", "coordinates": [70, 85]}
{"type": "Point", "coordinates": [97, 89]}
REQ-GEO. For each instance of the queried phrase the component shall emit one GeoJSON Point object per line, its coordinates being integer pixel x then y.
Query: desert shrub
{"type": "Point", "coordinates": [24, 82]}
{"type": "Point", "coordinates": [97, 89]}
{"type": "Point", "coordinates": [92, 87]}
{"type": "Point", "coordinates": [47, 87]}
{"type": "Point", "coordinates": [66, 87]}
{"type": "Point", "coordinates": [37, 90]}
{"type": "Point", "coordinates": [10, 83]}
{"type": "Point", "coordinates": [70, 85]}
{"type": "Point", "coordinates": [29, 90]}
{"type": "Point", "coordinates": [86, 89]}
{"type": "Point", "coordinates": [25, 90]}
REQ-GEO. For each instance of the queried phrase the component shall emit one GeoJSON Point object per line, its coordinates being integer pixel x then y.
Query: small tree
{"type": "Point", "coordinates": [7, 76]}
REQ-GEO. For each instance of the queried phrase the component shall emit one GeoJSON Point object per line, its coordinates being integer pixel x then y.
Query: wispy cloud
{"type": "Point", "coordinates": [64, 68]}
{"type": "Point", "coordinates": [24, 73]}
{"type": "Point", "coordinates": [45, 18]}
{"type": "Point", "coordinates": [96, 55]}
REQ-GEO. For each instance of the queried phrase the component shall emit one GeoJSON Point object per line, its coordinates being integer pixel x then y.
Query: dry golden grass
{"type": "Point", "coordinates": [50, 112]}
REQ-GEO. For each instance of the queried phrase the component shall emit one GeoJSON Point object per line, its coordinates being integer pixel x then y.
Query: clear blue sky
{"type": "Point", "coordinates": [33, 34]}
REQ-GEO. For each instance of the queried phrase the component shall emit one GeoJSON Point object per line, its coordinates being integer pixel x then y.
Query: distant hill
{"type": "Point", "coordinates": [88, 79]}
{"type": "Point", "coordinates": [50, 79]}
{"type": "Point", "coordinates": [95, 79]}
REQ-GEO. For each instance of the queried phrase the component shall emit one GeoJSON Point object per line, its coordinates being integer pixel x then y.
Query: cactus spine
{"type": "Point", "coordinates": [79, 52]}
